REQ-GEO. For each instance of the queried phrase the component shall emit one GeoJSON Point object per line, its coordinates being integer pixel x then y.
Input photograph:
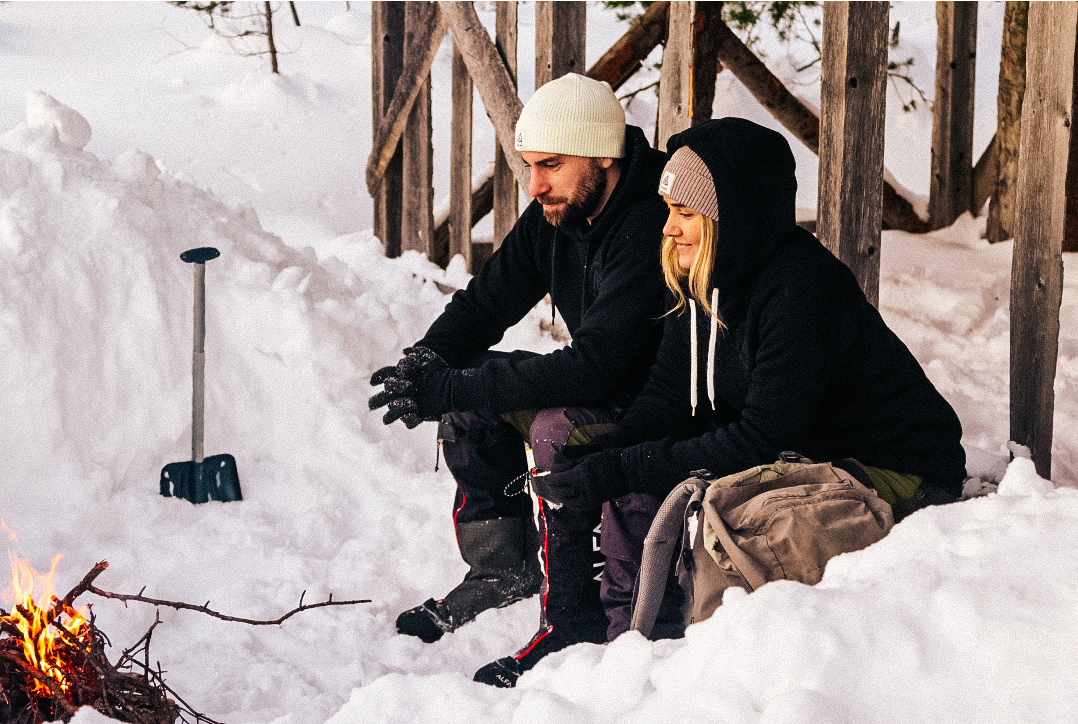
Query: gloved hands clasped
{"type": "Point", "coordinates": [583, 478]}
{"type": "Point", "coordinates": [418, 388]}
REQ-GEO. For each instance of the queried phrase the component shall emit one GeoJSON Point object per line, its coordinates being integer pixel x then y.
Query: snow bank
{"type": "Point", "coordinates": [962, 614]}
{"type": "Point", "coordinates": [97, 316]}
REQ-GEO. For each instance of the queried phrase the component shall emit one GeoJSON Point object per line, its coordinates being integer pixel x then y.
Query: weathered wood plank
{"type": "Point", "coordinates": [675, 78]}
{"type": "Point", "coordinates": [490, 77]}
{"type": "Point", "coordinates": [417, 151]}
{"type": "Point", "coordinates": [560, 38]}
{"type": "Point", "coordinates": [387, 63]}
{"type": "Point", "coordinates": [985, 175]}
{"type": "Point", "coordinates": [851, 140]}
{"type": "Point", "coordinates": [625, 56]}
{"type": "Point", "coordinates": [506, 191]}
{"type": "Point", "coordinates": [1012, 88]}
{"type": "Point", "coordinates": [707, 16]}
{"type": "Point", "coordinates": [951, 187]}
{"type": "Point", "coordinates": [482, 204]}
{"type": "Point", "coordinates": [1070, 230]}
{"type": "Point", "coordinates": [460, 163]}
{"type": "Point", "coordinates": [423, 42]}
{"type": "Point", "coordinates": [1037, 264]}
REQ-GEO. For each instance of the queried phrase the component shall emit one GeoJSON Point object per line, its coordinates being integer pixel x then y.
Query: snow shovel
{"type": "Point", "coordinates": [215, 477]}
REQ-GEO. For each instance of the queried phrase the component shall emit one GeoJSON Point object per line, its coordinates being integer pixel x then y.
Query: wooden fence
{"type": "Point", "coordinates": [1031, 191]}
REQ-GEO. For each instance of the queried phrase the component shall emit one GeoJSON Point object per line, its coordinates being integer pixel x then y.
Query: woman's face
{"type": "Point", "coordinates": [685, 226]}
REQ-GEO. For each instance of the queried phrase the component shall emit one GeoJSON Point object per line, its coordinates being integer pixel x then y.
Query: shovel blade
{"type": "Point", "coordinates": [215, 478]}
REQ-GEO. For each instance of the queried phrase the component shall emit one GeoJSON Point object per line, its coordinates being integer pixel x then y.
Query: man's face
{"type": "Point", "coordinates": [570, 188]}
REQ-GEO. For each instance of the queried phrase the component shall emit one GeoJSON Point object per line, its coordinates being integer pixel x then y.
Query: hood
{"type": "Point", "coordinates": [753, 170]}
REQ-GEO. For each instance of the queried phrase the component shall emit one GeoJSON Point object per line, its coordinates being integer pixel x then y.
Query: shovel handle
{"type": "Point", "coordinates": [198, 257]}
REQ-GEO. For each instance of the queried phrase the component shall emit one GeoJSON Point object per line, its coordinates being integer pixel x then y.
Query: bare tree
{"type": "Point", "coordinates": [249, 32]}
{"type": "Point", "coordinates": [1012, 87]}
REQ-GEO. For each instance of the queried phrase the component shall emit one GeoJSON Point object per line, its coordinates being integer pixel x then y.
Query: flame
{"type": "Point", "coordinates": [44, 629]}
{"type": "Point", "coordinates": [10, 532]}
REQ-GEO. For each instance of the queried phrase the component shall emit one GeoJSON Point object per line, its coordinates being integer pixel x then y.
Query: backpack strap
{"type": "Point", "coordinates": [665, 533]}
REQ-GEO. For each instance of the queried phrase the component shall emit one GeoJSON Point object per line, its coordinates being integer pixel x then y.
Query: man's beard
{"type": "Point", "coordinates": [581, 202]}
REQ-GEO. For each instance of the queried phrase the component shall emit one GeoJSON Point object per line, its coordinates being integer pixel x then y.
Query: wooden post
{"type": "Point", "coordinates": [1012, 88]}
{"type": "Point", "coordinates": [1070, 232]}
{"type": "Point", "coordinates": [413, 78]}
{"type": "Point", "coordinates": [460, 163]}
{"type": "Point", "coordinates": [951, 190]}
{"type": "Point", "coordinates": [417, 219]}
{"type": "Point", "coordinates": [675, 78]}
{"type": "Point", "coordinates": [1037, 264]}
{"type": "Point", "coordinates": [851, 136]}
{"type": "Point", "coordinates": [490, 77]}
{"type": "Point", "coordinates": [707, 16]}
{"type": "Point", "coordinates": [560, 37]}
{"type": "Point", "coordinates": [387, 62]}
{"type": "Point", "coordinates": [506, 195]}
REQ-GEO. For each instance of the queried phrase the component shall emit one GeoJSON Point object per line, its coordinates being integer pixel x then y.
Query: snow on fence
{"type": "Point", "coordinates": [856, 201]}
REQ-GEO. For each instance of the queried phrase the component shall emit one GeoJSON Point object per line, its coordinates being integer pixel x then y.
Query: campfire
{"type": "Point", "coordinates": [52, 655]}
{"type": "Point", "coordinates": [52, 659]}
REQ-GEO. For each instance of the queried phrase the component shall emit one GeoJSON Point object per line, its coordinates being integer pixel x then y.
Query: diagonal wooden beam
{"type": "Point", "coordinates": [625, 56]}
{"type": "Point", "coordinates": [413, 76]}
{"type": "Point", "coordinates": [490, 77]}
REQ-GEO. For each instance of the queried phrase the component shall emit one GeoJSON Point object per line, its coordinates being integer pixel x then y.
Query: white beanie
{"type": "Point", "coordinates": [573, 115]}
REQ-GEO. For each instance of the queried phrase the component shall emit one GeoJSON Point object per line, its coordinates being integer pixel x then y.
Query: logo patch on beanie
{"type": "Point", "coordinates": [667, 183]}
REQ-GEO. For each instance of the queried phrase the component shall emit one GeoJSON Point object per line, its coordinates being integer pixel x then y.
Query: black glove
{"type": "Point", "coordinates": [420, 387]}
{"type": "Point", "coordinates": [583, 483]}
{"type": "Point", "coordinates": [380, 376]}
{"type": "Point", "coordinates": [398, 395]}
{"type": "Point", "coordinates": [570, 456]}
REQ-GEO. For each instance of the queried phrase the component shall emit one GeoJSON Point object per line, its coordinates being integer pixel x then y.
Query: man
{"type": "Point", "coordinates": [591, 240]}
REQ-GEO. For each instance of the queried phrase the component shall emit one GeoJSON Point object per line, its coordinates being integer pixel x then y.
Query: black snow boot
{"type": "Point", "coordinates": [504, 672]}
{"type": "Point", "coordinates": [504, 557]}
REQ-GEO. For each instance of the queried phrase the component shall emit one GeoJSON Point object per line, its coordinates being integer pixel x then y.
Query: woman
{"type": "Point", "coordinates": [769, 345]}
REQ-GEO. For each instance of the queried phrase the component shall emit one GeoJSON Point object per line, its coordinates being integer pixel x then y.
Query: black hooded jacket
{"type": "Point", "coordinates": [805, 362]}
{"type": "Point", "coordinates": [605, 281]}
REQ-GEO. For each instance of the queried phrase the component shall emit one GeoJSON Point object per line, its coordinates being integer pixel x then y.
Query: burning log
{"type": "Point", "coordinates": [52, 659]}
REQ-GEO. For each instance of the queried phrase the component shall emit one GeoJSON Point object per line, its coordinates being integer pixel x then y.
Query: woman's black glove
{"type": "Point", "coordinates": [581, 481]}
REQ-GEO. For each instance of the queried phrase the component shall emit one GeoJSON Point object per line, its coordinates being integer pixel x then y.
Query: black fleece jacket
{"type": "Point", "coordinates": [805, 362]}
{"type": "Point", "coordinates": [605, 281]}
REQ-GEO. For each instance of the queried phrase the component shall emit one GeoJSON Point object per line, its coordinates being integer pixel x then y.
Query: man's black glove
{"type": "Point", "coordinates": [420, 387]}
{"type": "Point", "coordinates": [583, 482]}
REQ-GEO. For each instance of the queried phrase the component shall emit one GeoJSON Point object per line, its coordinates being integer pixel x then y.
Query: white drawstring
{"type": "Point", "coordinates": [711, 347]}
{"type": "Point", "coordinates": [693, 366]}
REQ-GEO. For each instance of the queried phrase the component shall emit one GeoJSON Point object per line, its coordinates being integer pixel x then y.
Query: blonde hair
{"type": "Point", "coordinates": [699, 274]}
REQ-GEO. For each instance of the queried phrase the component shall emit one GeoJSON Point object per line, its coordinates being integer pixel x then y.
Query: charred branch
{"type": "Point", "coordinates": [204, 608]}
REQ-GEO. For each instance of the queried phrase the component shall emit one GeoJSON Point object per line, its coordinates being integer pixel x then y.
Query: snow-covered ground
{"type": "Point", "coordinates": [129, 133]}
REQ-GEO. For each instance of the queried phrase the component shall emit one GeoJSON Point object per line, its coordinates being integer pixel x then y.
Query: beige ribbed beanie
{"type": "Point", "coordinates": [573, 115]}
{"type": "Point", "coordinates": [687, 180]}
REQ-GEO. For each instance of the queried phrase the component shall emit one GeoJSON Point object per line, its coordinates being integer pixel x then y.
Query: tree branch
{"type": "Point", "coordinates": [204, 608]}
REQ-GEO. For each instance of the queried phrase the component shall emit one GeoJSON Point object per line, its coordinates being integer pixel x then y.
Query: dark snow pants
{"type": "Point", "coordinates": [583, 598]}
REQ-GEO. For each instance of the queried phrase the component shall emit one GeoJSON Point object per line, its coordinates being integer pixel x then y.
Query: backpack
{"type": "Point", "coordinates": [782, 521]}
